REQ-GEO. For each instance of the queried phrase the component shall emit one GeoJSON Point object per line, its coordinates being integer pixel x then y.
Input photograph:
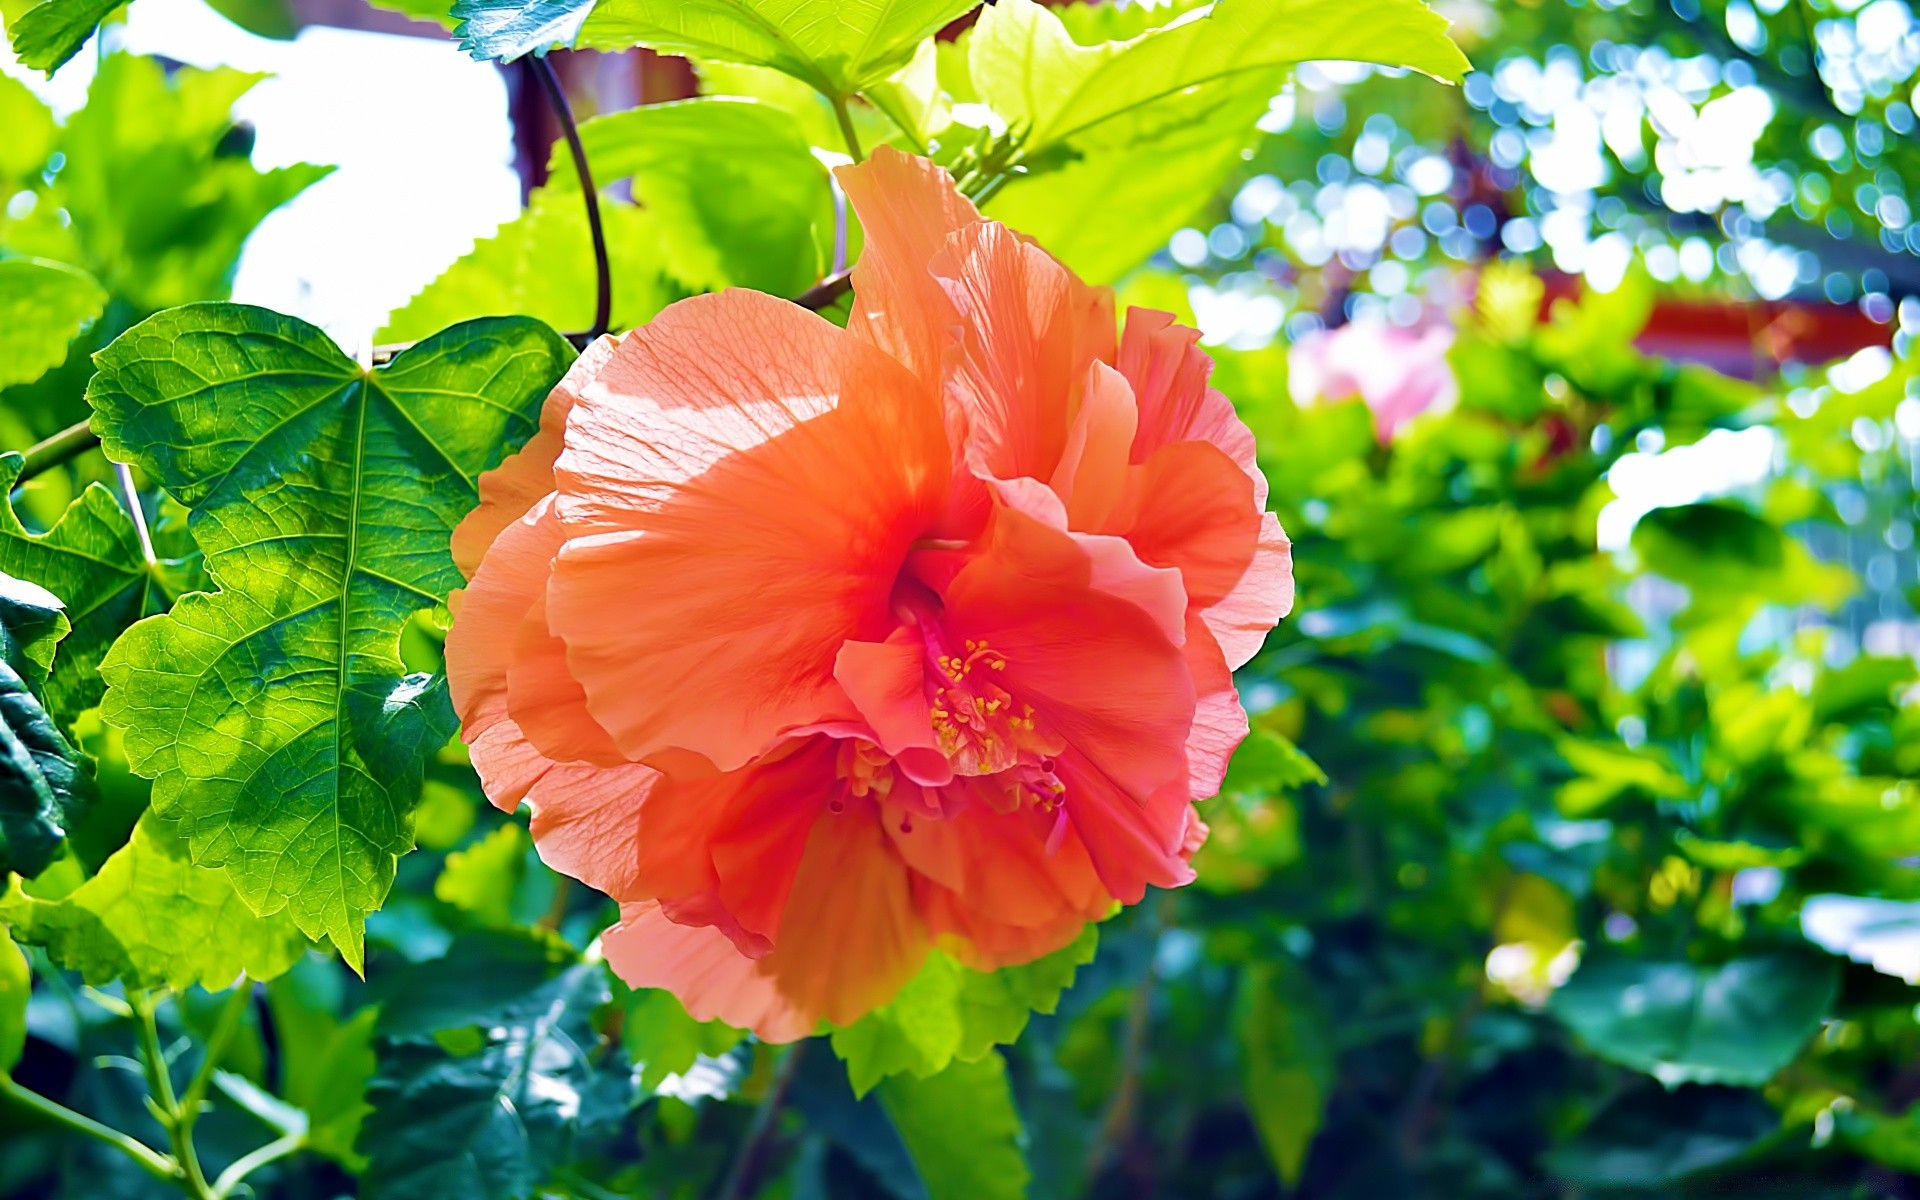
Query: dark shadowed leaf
{"type": "Point", "coordinates": [46, 785]}
{"type": "Point", "coordinates": [1683, 1022]}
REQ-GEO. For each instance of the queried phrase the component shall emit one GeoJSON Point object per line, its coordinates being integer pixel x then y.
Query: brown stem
{"type": "Point", "coordinates": [602, 268]}
{"type": "Point", "coordinates": [759, 1140]}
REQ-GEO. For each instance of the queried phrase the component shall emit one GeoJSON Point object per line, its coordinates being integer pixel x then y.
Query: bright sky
{"type": "Point", "coordinates": [417, 130]}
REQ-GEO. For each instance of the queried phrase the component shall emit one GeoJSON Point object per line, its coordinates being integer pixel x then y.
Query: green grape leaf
{"type": "Point", "coordinates": [31, 132]}
{"type": "Point", "coordinates": [510, 29]}
{"type": "Point", "coordinates": [48, 34]}
{"type": "Point", "coordinates": [739, 198]}
{"type": "Point", "coordinates": [948, 1011]}
{"type": "Point", "coordinates": [43, 306]}
{"type": "Point", "coordinates": [16, 984]}
{"type": "Point", "coordinates": [962, 1130]}
{"type": "Point", "coordinates": [663, 1039]}
{"type": "Point", "coordinates": [486, 1097]}
{"type": "Point", "coordinates": [274, 715]}
{"type": "Point", "coordinates": [1126, 139]}
{"type": "Point", "coordinates": [92, 555]}
{"type": "Point", "coordinates": [46, 785]}
{"type": "Point", "coordinates": [1681, 1022]}
{"type": "Point", "coordinates": [540, 264]}
{"type": "Point", "coordinates": [837, 49]}
{"type": "Point", "coordinates": [150, 918]}
{"type": "Point", "coordinates": [1287, 1060]}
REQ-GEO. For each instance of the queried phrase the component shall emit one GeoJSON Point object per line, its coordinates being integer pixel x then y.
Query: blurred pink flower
{"type": "Point", "coordinates": [1400, 373]}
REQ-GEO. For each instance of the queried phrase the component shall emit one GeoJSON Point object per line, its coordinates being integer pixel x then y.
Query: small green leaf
{"type": "Point", "coordinates": [739, 198]}
{"type": "Point", "coordinates": [50, 33]}
{"type": "Point", "coordinates": [43, 306]}
{"type": "Point", "coordinates": [91, 554]}
{"type": "Point", "coordinates": [1737, 1023]}
{"type": "Point", "coordinates": [46, 786]}
{"type": "Point", "coordinates": [540, 264]}
{"type": "Point", "coordinates": [948, 1011]}
{"type": "Point", "coordinates": [664, 1040]}
{"type": "Point", "coordinates": [16, 985]}
{"type": "Point", "coordinates": [325, 1065]}
{"type": "Point", "coordinates": [274, 715]}
{"type": "Point", "coordinates": [31, 132]}
{"type": "Point", "coordinates": [1287, 1060]}
{"type": "Point", "coordinates": [150, 918]}
{"type": "Point", "coordinates": [837, 49]}
{"type": "Point", "coordinates": [962, 1130]}
{"type": "Point", "coordinates": [480, 879]}
{"type": "Point", "coordinates": [510, 29]}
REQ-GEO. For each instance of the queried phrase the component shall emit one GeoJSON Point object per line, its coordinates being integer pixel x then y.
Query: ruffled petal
{"type": "Point", "coordinates": [1219, 723]}
{"type": "Point", "coordinates": [999, 871]}
{"type": "Point", "coordinates": [1133, 841]}
{"type": "Point", "coordinates": [1029, 332]}
{"type": "Point", "coordinates": [1242, 619]}
{"type": "Point", "coordinates": [1168, 372]}
{"type": "Point", "coordinates": [724, 850]}
{"type": "Point", "coordinates": [740, 484]}
{"type": "Point", "coordinates": [714, 981]}
{"type": "Point", "coordinates": [586, 818]}
{"type": "Point", "coordinates": [1190, 508]}
{"type": "Point", "coordinates": [907, 207]}
{"type": "Point", "coordinates": [525, 477]}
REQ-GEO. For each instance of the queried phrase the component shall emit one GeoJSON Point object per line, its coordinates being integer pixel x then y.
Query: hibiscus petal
{"type": "Point", "coordinates": [740, 484]}
{"type": "Point", "coordinates": [998, 869]}
{"type": "Point", "coordinates": [714, 981]}
{"type": "Point", "coordinates": [1132, 841]}
{"type": "Point", "coordinates": [1190, 508]}
{"type": "Point", "coordinates": [1168, 372]}
{"type": "Point", "coordinates": [525, 477]}
{"type": "Point", "coordinates": [1030, 330]}
{"type": "Point", "coordinates": [907, 206]}
{"type": "Point", "coordinates": [1092, 476]}
{"type": "Point", "coordinates": [852, 937]}
{"type": "Point", "coordinates": [1219, 723]}
{"type": "Point", "coordinates": [1241, 621]}
{"type": "Point", "coordinates": [585, 818]}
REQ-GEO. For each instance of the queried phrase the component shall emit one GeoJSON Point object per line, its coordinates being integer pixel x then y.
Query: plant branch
{"type": "Point", "coordinates": [152, 1161]}
{"type": "Point", "coordinates": [603, 269]}
{"type": "Point", "coordinates": [70, 443]}
{"type": "Point", "coordinates": [842, 115]}
{"type": "Point", "coordinates": [164, 1103]}
{"type": "Point", "coordinates": [753, 1150]}
{"type": "Point", "coordinates": [247, 1164]}
{"type": "Point", "coordinates": [225, 1026]}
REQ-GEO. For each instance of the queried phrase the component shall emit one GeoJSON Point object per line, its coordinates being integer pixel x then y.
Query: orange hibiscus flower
{"type": "Point", "coordinates": [816, 648]}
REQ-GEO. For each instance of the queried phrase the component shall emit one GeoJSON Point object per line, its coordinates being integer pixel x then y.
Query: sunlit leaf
{"type": "Point", "coordinates": [274, 715]}
{"type": "Point", "coordinates": [48, 34]}
{"type": "Point", "coordinates": [962, 1130]}
{"type": "Point", "coordinates": [43, 305]}
{"type": "Point", "coordinates": [510, 29]}
{"type": "Point", "coordinates": [838, 49]}
{"type": "Point", "coordinates": [664, 1040]}
{"type": "Point", "coordinates": [948, 1011]}
{"type": "Point", "coordinates": [540, 264]}
{"type": "Point", "coordinates": [150, 918]}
